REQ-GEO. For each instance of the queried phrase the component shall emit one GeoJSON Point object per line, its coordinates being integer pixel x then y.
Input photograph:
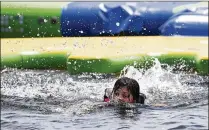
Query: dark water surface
{"type": "Point", "coordinates": [47, 100]}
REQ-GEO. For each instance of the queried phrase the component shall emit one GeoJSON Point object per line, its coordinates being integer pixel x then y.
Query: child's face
{"type": "Point", "coordinates": [123, 95]}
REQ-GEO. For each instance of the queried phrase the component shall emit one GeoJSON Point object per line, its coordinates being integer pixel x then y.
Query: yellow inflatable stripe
{"type": "Point", "coordinates": [107, 47]}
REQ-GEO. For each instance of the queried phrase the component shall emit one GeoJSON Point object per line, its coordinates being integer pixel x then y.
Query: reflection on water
{"type": "Point", "coordinates": [63, 101]}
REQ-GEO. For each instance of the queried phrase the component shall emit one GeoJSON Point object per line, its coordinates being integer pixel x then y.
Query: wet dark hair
{"type": "Point", "coordinates": [132, 86]}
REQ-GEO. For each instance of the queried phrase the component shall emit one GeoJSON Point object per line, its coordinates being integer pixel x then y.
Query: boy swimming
{"type": "Point", "coordinates": [125, 90]}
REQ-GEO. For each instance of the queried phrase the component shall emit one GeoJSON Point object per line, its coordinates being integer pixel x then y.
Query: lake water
{"type": "Point", "coordinates": [55, 100]}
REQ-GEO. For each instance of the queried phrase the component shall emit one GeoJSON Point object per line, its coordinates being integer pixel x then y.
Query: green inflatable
{"type": "Point", "coordinates": [30, 19]}
{"type": "Point", "coordinates": [106, 54]}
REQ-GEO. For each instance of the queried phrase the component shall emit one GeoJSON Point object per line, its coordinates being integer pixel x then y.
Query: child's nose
{"type": "Point", "coordinates": [120, 98]}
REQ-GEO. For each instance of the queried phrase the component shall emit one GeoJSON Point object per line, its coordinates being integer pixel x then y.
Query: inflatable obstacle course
{"type": "Point", "coordinates": [105, 54]}
{"type": "Point", "coordinates": [69, 19]}
{"type": "Point", "coordinates": [135, 18]}
{"type": "Point", "coordinates": [35, 60]}
{"type": "Point", "coordinates": [44, 60]}
{"type": "Point", "coordinates": [13, 60]}
{"type": "Point", "coordinates": [30, 19]}
{"type": "Point", "coordinates": [202, 66]}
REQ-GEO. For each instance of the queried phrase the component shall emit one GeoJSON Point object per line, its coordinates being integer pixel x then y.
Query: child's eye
{"type": "Point", "coordinates": [116, 94]}
{"type": "Point", "coordinates": [125, 96]}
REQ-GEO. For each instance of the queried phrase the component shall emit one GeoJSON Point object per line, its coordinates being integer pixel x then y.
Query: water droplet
{"type": "Point", "coordinates": [117, 24]}
{"type": "Point", "coordinates": [45, 20]}
{"type": "Point", "coordinates": [58, 30]}
{"type": "Point", "coordinates": [81, 31]}
{"type": "Point", "coordinates": [38, 34]}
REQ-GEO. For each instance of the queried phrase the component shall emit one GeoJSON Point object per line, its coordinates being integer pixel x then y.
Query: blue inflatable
{"type": "Point", "coordinates": [130, 18]}
{"type": "Point", "coordinates": [187, 23]}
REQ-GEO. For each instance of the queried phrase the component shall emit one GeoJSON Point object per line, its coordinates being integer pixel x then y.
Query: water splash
{"type": "Point", "coordinates": [53, 91]}
{"type": "Point", "coordinates": [163, 86]}
{"type": "Point", "coordinates": [57, 91]}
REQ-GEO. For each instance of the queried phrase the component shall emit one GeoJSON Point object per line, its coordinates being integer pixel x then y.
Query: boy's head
{"type": "Point", "coordinates": [126, 90]}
